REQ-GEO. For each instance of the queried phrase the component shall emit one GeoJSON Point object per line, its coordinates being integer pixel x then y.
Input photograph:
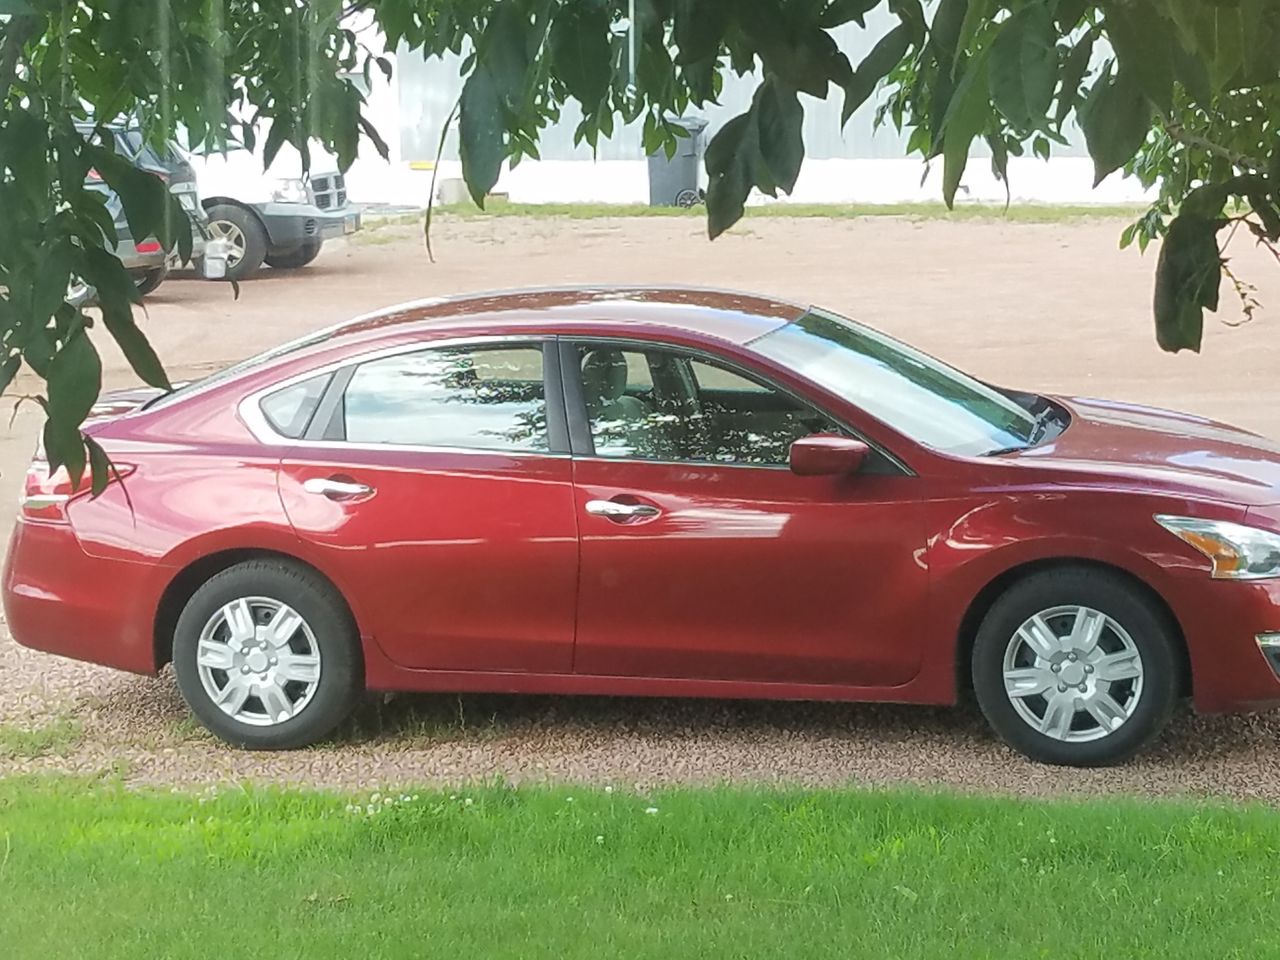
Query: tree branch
{"type": "Point", "coordinates": [1184, 136]}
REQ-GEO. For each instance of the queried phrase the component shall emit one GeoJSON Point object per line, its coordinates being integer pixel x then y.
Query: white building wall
{"type": "Point", "coordinates": [857, 164]}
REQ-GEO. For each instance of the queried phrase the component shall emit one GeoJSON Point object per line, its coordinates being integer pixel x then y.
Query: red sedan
{"type": "Point", "coordinates": [660, 492]}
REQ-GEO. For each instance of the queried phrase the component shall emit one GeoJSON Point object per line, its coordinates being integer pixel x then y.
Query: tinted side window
{"type": "Point", "coordinates": [290, 410]}
{"type": "Point", "coordinates": [688, 409]}
{"type": "Point", "coordinates": [489, 398]}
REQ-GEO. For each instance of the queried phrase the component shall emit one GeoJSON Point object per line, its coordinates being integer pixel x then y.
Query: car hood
{"type": "Point", "coordinates": [1179, 451]}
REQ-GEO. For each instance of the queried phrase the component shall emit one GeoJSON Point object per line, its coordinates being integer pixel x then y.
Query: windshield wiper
{"type": "Point", "coordinates": [1038, 430]}
{"type": "Point", "coordinates": [1045, 417]}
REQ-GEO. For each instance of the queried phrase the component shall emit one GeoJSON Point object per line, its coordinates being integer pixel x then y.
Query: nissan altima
{"type": "Point", "coordinates": [666, 492]}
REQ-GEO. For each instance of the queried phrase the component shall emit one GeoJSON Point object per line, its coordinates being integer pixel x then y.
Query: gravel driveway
{"type": "Point", "coordinates": [1050, 307]}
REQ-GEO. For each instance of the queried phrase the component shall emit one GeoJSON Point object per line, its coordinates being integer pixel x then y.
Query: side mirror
{"type": "Point", "coordinates": [827, 455]}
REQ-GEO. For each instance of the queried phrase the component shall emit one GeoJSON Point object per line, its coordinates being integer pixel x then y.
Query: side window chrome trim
{"type": "Point", "coordinates": [250, 408]}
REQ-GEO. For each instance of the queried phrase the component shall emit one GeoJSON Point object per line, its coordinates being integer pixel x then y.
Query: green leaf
{"type": "Point", "coordinates": [1193, 74]}
{"type": "Point", "coordinates": [1070, 13]}
{"type": "Point", "coordinates": [944, 34]}
{"type": "Point", "coordinates": [504, 52]}
{"type": "Point", "coordinates": [481, 134]}
{"type": "Point", "coordinates": [1024, 67]}
{"type": "Point", "coordinates": [803, 55]}
{"type": "Point", "coordinates": [1040, 147]}
{"type": "Point", "coordinates": [375, 138]}
{"type": "Point", "coordinates": [779, 118]}
{"type": "Point", "coordinates": [1073, 72]}
{"type": "Point", "coordinates": [49, 286]}
{"type": "Point", "coordinates": [730, 162]}
{"type": "Point", "coordinates": [699, 27]}
{"type": "Point", "coordinates": [1188, 280]}
{"type": "Point", "coordinates": [1000, 162]}
{"type": "Point", "coordinates": [580, 54]}
{"type": "Point", "coordinates": [143, 195]}
{"type": "Point", "coordinates": [277, 136]}
{"type": "Point", "coordinates": [1144, 43]}
{"type": "Point", "coordinates": [14, 8]}
{"type": "Point", "coordinates": [1205, 202]}
{"type": "Point", "coordinates": [100, 466]}
{"type": "Point", "coordinates": [75, 380]}
{"type": "Point", "coordinates": [9, 370]}
{"type": "Point", "coordinates": [884, 56]}
{"type": "Point", "coordinates": [116, 292]}
{"type": "Point", "coordinates": [966, 118]}
{"type": "Point", "coordinates": [1116, 120]}
{"type": "Point", "coordinates": [838, 12]}
{"type": "Point", "coordinates": [978, 14]}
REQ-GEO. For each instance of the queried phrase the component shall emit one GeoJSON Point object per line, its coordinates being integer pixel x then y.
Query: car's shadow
{"type": "Point", "coordinates": [489, 716]}
{"type": "Point", "coordinates": [1199, 746]}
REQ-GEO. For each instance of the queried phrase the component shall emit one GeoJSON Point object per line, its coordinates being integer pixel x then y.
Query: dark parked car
{"type": "Point", "coordinates": [145, 259]}
{"type": "Point", "coordinates": [658, 492]}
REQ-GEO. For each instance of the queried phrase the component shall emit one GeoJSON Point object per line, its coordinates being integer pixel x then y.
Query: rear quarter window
{"type": "Point", "coordinates": [290, 409]}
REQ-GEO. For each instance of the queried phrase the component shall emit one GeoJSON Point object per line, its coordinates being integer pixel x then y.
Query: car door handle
{"type": "Point", "coordinates": [327, 487]}
{"type": "Point", "coordinates": [621, 511]}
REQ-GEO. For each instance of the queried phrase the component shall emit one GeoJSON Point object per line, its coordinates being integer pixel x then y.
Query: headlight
{"type": "Point", "coordinates": [1237, 552]}
{"type": "Point", "coordinates": [289, 191]}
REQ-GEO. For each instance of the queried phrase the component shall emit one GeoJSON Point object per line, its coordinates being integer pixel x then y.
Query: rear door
{"type": "Point", "coordinates": [438, 482]}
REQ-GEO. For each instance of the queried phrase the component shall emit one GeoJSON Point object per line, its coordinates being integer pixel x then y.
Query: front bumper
{"type": "Point", "coordinates": [1221, 621]}
{"type": "Point", "coordinates": [60, 600]}
{"type": "Point", "coordinates": [292, 224]}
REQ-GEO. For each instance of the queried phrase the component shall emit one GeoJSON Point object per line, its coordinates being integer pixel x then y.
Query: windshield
{"type": "Point", "coordinates": [918, 396]}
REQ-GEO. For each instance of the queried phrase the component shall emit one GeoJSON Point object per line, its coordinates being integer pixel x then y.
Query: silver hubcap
{"type": "Point", "coordinates": [258, 661]}
{"type": "Point", "coordinates": [228, 231]}
{"type": "Point", "coordinates": [1072, 673]}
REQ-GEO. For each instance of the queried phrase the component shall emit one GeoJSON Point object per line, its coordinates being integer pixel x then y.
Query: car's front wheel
{"type": "Point", "coordinates": [267, 656]}
{"type": "Point", "coordinates": [245, 237]}
{"type": "Point", "coordinates": [1076, 666]}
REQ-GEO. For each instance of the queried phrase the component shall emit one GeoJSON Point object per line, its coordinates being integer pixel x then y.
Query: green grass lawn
{"type": "Point", "coordinates": [90, 869]}
{"type": "Point", "coordinates": [1016, 213]}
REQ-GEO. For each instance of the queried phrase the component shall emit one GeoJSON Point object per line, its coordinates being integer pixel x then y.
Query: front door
{"type": "Point", "coordinates": [703, 556]}
{"type": "Point", "coordinates": [440, 487]}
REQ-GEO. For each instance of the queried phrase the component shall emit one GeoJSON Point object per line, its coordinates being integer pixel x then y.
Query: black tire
{"type": "Point", "coordinates": [255, 238]}
{"type": "Point", "coordinates": [1147, 626]}
{"type": "Point", "coordinates": [292, 258]}
{"type": "Point", "coordinates": [341, 672]}
{"type": "Point", "coordinates": [147, 282]}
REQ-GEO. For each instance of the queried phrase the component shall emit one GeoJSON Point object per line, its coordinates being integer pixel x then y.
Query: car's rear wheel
{"type": "Point", "coordinates": [151, 279]}
{"type": "Point", "coordinates": [292, 258]}
{"type": "Point", "coordinates": [267, 656]}
{"type": "Point", "coordinates": [1076, 666]}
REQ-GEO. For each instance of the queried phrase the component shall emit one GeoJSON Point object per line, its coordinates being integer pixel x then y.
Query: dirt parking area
{"type": "Point", "coordinates": [1051, 307]}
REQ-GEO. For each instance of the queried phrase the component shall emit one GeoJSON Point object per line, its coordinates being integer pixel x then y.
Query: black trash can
{"type": "Point", "coordinates": [673, 182]}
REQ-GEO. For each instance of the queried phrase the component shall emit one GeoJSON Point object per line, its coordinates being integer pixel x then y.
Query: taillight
{"type": "Point", "coordinates": [45, 495]}
{"type": "Point", "coordinates": [93, 174]}
{"type": "Point", "coordinates": [149, 246]}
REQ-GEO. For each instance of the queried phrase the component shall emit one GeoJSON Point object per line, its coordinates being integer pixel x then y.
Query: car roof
{"type": "Point", "coordinates": [722, 314]}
